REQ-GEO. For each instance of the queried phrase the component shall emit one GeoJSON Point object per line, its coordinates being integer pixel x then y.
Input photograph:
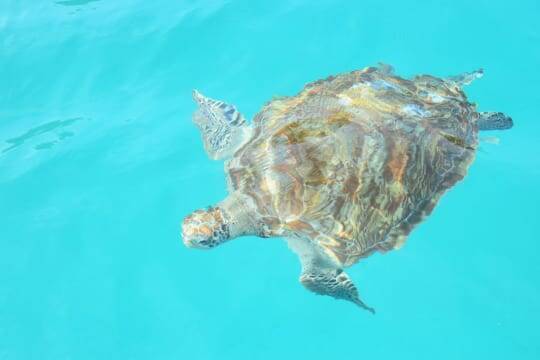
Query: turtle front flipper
{"type": "Point", "coordinates": [335, 283]}
{"type": "Point", "coordinates": [224, 130]}
{"type": "Point", "coordinates": [321, 275]}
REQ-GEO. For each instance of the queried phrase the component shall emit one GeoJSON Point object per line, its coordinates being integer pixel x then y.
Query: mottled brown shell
{"type": "Point", "coordinates": [354, 162]}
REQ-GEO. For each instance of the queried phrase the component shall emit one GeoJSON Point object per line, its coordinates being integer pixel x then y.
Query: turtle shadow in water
{"type": "Point", "coordinates": [77, 6]}
{"type": "Point", "coordinates": [57, 126]}
{"type": "Point", "coordinates": [75, 2]}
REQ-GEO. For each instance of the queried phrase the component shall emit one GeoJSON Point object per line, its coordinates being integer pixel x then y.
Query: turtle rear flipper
{"type": "Point", "coordinates": [494, 121]}
{"type": "Point", "coordinates": [224, 130]}
{"type": "Point", "coordinates": [335, 283]}
{"type": "Point", "coordinates": [466, 78]}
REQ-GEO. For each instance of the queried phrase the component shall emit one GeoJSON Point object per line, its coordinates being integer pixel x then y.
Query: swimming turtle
{"type": "Point", "coordinates": [345, 168]}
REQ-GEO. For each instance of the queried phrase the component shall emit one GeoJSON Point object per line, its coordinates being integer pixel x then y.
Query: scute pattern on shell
{"type": "Point", "coordinates": [354, 162]}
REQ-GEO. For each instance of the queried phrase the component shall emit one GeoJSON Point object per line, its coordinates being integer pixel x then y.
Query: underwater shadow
{"type": "Point", "coordinates": [43, 129]}
{"type": "Point", "coordinates": [74, 2]}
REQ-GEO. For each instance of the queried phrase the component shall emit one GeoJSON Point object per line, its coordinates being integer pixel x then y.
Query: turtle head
{"type": "Point", "coordinates": [205, 229]}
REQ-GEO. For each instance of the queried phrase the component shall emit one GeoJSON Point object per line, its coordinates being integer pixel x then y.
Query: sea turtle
{"type": "Point", "coordinates": [345, 168]}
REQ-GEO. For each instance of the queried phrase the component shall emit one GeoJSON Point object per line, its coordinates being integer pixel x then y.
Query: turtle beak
{"type": "Point", "coordinates": [195, 242]}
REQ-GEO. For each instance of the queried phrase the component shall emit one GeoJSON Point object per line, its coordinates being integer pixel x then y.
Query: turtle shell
{"type": "Point", "coordinates": [354, 162]}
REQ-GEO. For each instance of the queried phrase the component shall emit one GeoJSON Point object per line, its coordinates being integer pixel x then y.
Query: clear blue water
{"type": "Point", "coordinates": [99, 162]}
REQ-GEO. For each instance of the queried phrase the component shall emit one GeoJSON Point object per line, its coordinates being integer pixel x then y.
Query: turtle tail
{"type": "Point", "coordinates": [494, 121]}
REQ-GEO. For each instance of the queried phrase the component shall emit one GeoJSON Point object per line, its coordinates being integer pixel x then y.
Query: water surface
{"type": "Point", "coordinates": [99, 162]}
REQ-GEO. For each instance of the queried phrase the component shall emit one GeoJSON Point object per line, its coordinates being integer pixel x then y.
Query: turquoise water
{"type": "Point", "coordinates": [99, 162]}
